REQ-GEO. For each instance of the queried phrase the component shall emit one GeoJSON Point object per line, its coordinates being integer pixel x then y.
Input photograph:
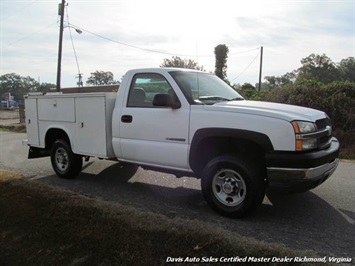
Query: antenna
{"type": "Point", "coordinates": [261, 66]}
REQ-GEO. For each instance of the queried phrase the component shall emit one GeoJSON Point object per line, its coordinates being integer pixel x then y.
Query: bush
{"type": "Point", "coordinates": [336, 99]}
{"type": "Point", "coordinates": [347, 143]}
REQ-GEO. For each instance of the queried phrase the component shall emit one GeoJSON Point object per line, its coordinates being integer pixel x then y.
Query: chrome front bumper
{"type": "Point", "coordinates": [299, 179]}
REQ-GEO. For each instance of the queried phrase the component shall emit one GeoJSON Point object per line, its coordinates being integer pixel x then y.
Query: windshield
{"type": "Point", "coordinates": [204, 88]}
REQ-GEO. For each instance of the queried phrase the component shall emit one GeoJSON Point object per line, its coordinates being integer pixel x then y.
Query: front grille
{"type": "Point", "coordinates": [324, 141]}
{"type": "Point", "coordinates": [323, 123]}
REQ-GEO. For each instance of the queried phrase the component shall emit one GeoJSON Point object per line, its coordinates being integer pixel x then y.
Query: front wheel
{"type": "Point", "coordinates": [65, 163]}
{"type": "Point", "coordinates": [233, 185]}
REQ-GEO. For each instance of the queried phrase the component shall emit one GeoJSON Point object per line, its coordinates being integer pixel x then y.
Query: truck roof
{"type": "Point", "coordinates": [163, 70]}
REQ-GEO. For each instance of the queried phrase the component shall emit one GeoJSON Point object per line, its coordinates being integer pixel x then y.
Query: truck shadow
{"type": "Point", "coordinates": [302, 208]}
{"type": "Point", "coordinates": [157, 192]}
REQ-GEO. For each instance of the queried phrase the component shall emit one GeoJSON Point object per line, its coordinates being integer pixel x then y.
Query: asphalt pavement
{"type": "Point", "coordinates": [322, 219]}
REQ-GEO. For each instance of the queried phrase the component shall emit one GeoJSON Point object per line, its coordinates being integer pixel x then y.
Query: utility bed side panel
{"type": "Point", "coordinates": [109, 106]}
{"type": "Point", "coordinates": [94, 124]}
{"type": "Point", "coordinates": [85, 117]}
{"type": "Point", "coordinates": [32, 122]}
{"type": "Point", "coordinates": [91, 126]}
{"type": "Point", "coordinates": [59, 109]}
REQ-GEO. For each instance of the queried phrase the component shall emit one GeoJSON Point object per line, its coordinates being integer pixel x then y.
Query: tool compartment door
{"type": "Point", "coordinates": [32, 121]}
{"type": "Point", "coordinates": [91, 126]}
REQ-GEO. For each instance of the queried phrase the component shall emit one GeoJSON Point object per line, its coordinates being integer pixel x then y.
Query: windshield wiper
{"type": "Point", "coordinates": [213, 98]}
{"type": "Point", "coordinates": [237, 99]}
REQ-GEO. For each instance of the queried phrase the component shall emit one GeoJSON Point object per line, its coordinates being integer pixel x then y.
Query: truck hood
{"type": "Point", "coordinates": [276, 110]}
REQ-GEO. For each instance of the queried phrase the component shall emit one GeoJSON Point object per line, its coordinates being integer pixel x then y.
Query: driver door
{"type": "Point", "coordinates": [154, 135]}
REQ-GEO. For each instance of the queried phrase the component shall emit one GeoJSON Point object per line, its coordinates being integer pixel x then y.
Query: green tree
{"type": "Point", "coordinates": [101, 78]}
{"type": "Point", "coordinates": [17, 85]}
{"type": "Point", "coordinates": [248, 86]}
{"type": "Point", "coordinates": [176, 61]}
{"type": "Point", "coordinates": [347, 69]}
{"type": "Point", "coordinates": [272, 81]}
{"type": "Point", "coordinates": [46, 87]}
{"type": "Point", "coordinates": [280, 81]}
{"type": "Point", "coordinates": [318, 67]}
{"type": "Point", "coordinates": [221, 53]}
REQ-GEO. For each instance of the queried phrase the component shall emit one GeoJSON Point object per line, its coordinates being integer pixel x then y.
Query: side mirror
{"type": "Point", "coordinates": [165, 100]}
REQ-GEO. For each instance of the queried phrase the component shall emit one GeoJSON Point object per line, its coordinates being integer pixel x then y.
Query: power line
{"type": "Point", "coordinates": [18, 10]}
{"type": "Point", "coordinates": [252, 61]}
{"type": "Point", "coordinates": [243, 52]}
{"type": "Point", "coordinates": [31, 34]}
{"type": "Point", "coordinates": [72, 42]}
{"type": "Point", "coordinates": [151, 50]}
{"type": "Point", "coordinates": [128, 45]}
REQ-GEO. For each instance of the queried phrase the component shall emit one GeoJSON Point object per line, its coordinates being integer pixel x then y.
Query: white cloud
{"type": "Point", "coordinates": [288, 30]}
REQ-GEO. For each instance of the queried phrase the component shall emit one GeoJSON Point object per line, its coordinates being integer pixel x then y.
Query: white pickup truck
{"type": "Point", "coordinates": [188, 123]}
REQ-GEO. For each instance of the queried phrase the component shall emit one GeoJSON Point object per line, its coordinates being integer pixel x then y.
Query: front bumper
{"type": "Point", "coordinates": [294, 172]}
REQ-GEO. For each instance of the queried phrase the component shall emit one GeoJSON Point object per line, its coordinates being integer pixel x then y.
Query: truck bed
{"type": "Point", "coordinates": [85, 117]}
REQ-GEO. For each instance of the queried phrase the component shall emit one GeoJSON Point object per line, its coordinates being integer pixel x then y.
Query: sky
{"type": "Point", "coordinates": [118, 35]}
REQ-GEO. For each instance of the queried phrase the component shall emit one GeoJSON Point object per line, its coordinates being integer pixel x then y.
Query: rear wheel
{"type": "Point", "coordinates": [233, 185]}
{"type": "Point", "coordinates": [65, 163]}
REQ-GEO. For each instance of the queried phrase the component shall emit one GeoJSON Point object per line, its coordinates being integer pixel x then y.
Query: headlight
{"type": "Point", "coordinates": [303, 127]}
{"type": "Point", "coordinates": [304, 140]}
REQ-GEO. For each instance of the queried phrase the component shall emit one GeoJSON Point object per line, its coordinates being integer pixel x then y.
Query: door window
{"type": "Point", "coordinates": [145, 86]}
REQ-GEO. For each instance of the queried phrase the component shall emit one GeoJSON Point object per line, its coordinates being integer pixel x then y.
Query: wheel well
{"type": "Point", "coordinates": [211, 147]}
{"type": "Point", "coordinates": [53, 134]}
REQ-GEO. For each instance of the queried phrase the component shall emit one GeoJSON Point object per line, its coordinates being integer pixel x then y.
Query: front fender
{"type": "Point", "coordinates": [200, 135]}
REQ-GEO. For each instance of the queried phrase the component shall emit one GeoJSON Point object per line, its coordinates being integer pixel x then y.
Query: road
{"type": "Point", "coordinates": [322, 220]}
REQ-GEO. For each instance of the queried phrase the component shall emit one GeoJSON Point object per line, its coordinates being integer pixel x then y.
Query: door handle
{"type": "Point", "coordinates": [126, 119]}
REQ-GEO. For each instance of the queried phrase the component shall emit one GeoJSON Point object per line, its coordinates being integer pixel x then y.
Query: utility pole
{"type": "Point", "coordinates": [59, 66]}
{"type": "Point", "coordinates": [261, 66]}
{"type": "Point", "coordinates": [80, 82]}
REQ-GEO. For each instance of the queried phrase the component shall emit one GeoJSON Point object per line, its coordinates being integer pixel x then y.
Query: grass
{"type": "Point", "coordinates": [9, 114]}
{"type": "Point", "coordinates": [17, 128]}
{"type": "Point", "coordinates": [41, 225]}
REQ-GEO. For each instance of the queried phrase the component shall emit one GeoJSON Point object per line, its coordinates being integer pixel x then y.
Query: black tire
{"type": "Point", "coordinates": [233, 185]}
{"type": "Point", "coordinates": [65, 163]}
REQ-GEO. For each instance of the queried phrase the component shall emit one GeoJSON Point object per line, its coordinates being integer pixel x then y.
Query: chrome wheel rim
{"type": "Point", "coordinates": [228, 187]}
{"type": "Point", "coordinates": [61, 159]}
